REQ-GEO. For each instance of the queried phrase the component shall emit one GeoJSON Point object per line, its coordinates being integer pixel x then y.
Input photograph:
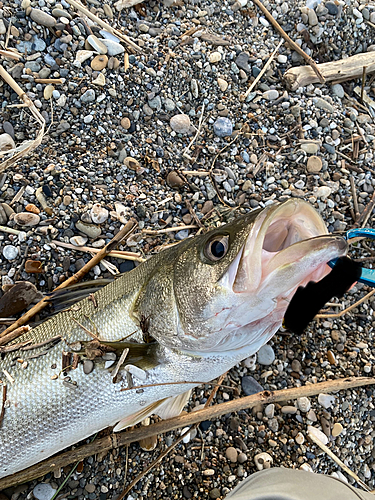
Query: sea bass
{"type": "Point", "coordinates": [185, 315]}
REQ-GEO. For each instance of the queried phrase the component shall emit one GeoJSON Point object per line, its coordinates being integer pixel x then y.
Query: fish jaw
{"type": "Point", "coordinates": [287, 247]}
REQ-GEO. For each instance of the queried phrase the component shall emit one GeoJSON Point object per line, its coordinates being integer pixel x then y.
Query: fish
{"type": "Point", "coordinates": [140, 344]}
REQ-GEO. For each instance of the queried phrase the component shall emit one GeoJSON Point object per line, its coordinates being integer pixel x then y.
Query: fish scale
{"type": "Point", "coordinates": [205, 314]}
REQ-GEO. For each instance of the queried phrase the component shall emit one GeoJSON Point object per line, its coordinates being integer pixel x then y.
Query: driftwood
{"type": "Point", "coordinates": [125, 438]}
{"type": "Point", "coordinates": [344, 69]}
{"type": "Point", "coordinates": [42, 304]}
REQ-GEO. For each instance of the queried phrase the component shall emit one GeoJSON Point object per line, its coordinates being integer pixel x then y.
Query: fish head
{"type": "Point", "coordinates": [229, 289]}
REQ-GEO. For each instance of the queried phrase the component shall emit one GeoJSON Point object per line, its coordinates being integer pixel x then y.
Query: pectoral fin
{"type": "Point", "coordinates": [172, 407]}
{"type": "Point", "coordinates": [165, 408]}
{"type": "Point", "coordinates": [137, 417]}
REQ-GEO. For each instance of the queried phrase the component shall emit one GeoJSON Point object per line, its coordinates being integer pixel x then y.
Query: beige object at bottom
{"type": "Point", "coordinates": [290, 484]}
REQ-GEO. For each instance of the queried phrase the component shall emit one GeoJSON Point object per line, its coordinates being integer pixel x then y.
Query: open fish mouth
{"type": "Point", "coordinates": [287, 246]}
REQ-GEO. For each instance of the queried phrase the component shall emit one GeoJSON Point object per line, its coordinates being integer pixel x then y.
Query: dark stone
{"type": "Point", "coordinates": [256, 71]}
{"type": "Point", "coordinates": [206, 424]}
{"type": "Point", "coordinates": [331, 150]}
{"type": "Point", "coordinates": [126, 266]}
{"type": "Point", "coordinates": [47, 191]}
{"type": "Point", "coordinates": [332, 8]}
{"type": "Point", "coordinates": [186, 492]}
{"type": "Point", "coordinates": [8, 129]}
{"type": "Point", "coordinates": [242, 62]}
{"type": "Point", "coordinates": [141, 211]}
{"type": "Point", "coordinates": [250, 385]}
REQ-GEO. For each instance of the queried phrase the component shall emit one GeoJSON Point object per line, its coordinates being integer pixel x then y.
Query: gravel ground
{"type": "Point", "coordinates": [118, 146]}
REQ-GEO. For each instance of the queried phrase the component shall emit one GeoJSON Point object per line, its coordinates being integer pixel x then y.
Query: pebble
{"type": "Point", "coordinates": [27, 219]}
{"type": "Point", "coordinates": [180, 123]}
{"type": "Point", "coordinates": [100, 80]}
{"type": "Point", "coordinates": [99, 62]}
{"type": "Point", "coordinates": [314, 164]}
{"type": "Point", "coordinates": [43, 491]}
{"type": "Point", "coordinates": [223, 127]}
{"type": "Point", "coordinates": [250, 385]}
{"type": "Point", "coordinates": [97, 44]}
{"type": "Point", "coordinates": [231, 454]}
{"type": "Point", "coordinates": [88, 96]}
{"type": "Point", "coordinates": [337, 429]}
{"type": "Point", "coordinates": [10, 252]}
{"type": "Point", "coordinates": [6, 142]}
{"type": "Point", "coordinates": [338, 90]}
{"type": "Point", "coordinates": [223, 84]}
{"type": "Point", "coordinates": [48, 91]}
{"type": "Point", "coordinates": [282, 59]}
{"type": "Point", "coordinates": [310, 148]}
{"type": "Point", "coordinates": [326, 400]}
{"type": "Point", "coordinates": [125, 123]}
{"type": "Point", "coordinates": [89, 229]}
{"type": "Point", "coordinates": [215, 57]}
{"type": "Point", "coordinates": [304, 404]}
{"type": "Point", "coordinates": [42, 18]}
{"type": "Point", "coordinates": [269, 410]}
{"type": "Point", "coordinates": [266, 355]}
{"type": "Point", "coordinates": [83, 55]}
{"type": "Point", "coordinates": [323, 192]}
{"type": "Point", "coordinates": [317, 433]}
{"type": "Point", "coordinates": [300, 438]}
{"type": "Point", "coordinates": [263, 461]}
{"type": "Point", "coordinates": [113, 48]}
{"type": "Point", "coordinates": [88, 366]}
{"type": "Point", "coordinates": [270, 95]}
{"type": "Point", "coordinates": [323, 104]}
{"type": "Point", "coordinates": [332, 8]}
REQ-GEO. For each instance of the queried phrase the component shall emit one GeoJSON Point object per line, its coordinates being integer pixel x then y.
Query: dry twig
{"type": "Point", "coordinates": [75, 278]}
{"type": "Point", "coordinates": [292, 44]}
{"type": "Point", "coordinates": [117, 254]}
{"type": "Point", "coordinates": [27, 146]}
{"type": "Point", "coordinates": [264, 69]}
{"type": "Point", "coordinates": [104, 25]}
{"type": "Point", "coordinates": [338, 461]}
{"type": "Point", "coordinates": [122, 439]}
{"type": "Point", "coordinates": [348, 309]}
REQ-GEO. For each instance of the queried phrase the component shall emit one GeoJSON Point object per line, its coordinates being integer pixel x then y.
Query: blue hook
{"type": "Point", "coordinates": [368, 275]}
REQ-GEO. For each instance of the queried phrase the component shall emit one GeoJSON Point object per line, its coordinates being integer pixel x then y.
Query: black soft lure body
{"type": "Point", "coordinates": [308, 300]}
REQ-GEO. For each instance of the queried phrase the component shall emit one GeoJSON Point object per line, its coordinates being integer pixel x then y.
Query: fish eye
{"type": "Point", "coordinates": [217, 248]}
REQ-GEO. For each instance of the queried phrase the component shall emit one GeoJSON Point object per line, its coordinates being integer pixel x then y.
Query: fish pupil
{"type": "Point", "coordinates": [217, 249]}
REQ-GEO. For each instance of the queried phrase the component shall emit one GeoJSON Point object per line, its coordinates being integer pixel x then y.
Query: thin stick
{"type": "Point", "coordinates": [264, 69]}
{"type": "Point", "coordinates": [6, 338]}
{"type": "Point", "coordinates": [355, 200]}
{"type": "Point", "coordinates": [92, 335]}
{"type": "Point", "coordinates": [171, 447]}
{"type": "Point", "coordinates": [122, 439]}
{"type": "Point", "coordinates": [118, 254]}
{"type": "Point", "coordinates": [5, 387]}
{"type": "Point", "coordinates": [366, 212]}
{"type": "Point", "coordinates": [293, 45]}
{"type": "Point", "coordinates": [27, 146]}
{"type": "Point", "coordinates": [363, 82]}
{"type": "Point", "coordinates": [75, 278]}
{"type": "Point", "coordinates": [10, 230]}
{"type": "Point", "coordinates": [341, 313]}
{"type": "Point", "coordinates": [196, 135]}
{"type": "Point", "coordinates": [104, 25]}
{"type": "Point", "coordinates": [337, 460]}
{"type": "Point", "coordinates": [12, 55]}
{"type": "Point", "coordinates": [57, 81]}
{"type": "Point", "coordinates": [168, 229]}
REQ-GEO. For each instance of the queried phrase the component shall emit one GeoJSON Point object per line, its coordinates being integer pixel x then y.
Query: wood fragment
{"type": "Point", "coordinates": [348, 309]}
{"type": "Point", "coordinates": [73, 279]}
{"type": "Point", "coordinates": [104, 25]}
{"type": "Point", "coordinates": [5, 337]}
{"type": "Point", "coordinates": [118, 254]}
{"type": "Point", "coordinates": [27, 146]}
{"type": "Point", "coordinates": [264, 69]}
{"type": "Point", "coordinates": [130, 436]}
{"type": "Point", "coordinates": [4, 398]}
{"type": "Point", "coordinates": [293, 45]}
{"type": "Point", "coordinates": [349, 68]}
{"type": "Point", "coordinates": [337, 460]}
{"type": "Point", "coordinates": [57, 81]}
{"type": "Point", "coordinates": [363, 82]}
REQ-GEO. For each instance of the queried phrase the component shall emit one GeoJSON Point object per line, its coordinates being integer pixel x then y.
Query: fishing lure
{"type": "Point", "coordinates": [308, 300]}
